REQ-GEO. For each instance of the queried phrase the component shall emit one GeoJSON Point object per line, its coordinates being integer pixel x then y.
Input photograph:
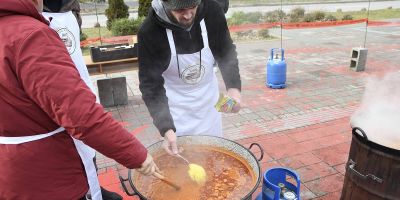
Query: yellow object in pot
{"type": "Point", "coordinates": [197, 173]}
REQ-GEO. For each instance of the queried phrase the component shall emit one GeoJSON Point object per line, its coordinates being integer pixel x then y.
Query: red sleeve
{"type": "Point", "coordinates": [49, 77]}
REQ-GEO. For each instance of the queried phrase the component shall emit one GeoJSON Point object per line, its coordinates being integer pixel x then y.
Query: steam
{"type": "Point", "coordinates": [379, 113]}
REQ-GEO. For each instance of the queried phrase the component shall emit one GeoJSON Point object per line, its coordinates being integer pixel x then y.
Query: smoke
{"type": "Point", "coordinates": [379, 113]}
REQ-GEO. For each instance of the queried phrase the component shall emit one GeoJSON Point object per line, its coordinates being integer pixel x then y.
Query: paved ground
{"type": "Point", "coordinates": [305, 126]}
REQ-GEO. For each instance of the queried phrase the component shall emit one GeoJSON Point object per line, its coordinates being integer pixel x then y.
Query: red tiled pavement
{"type": "Point", "coordinates": [307, 158]}
{"type": "Point", "coordinates": [110, 181]}
{"type": "Point", "coordinates": [315, 171]}
{"type": "Point", "coordinates": [330, 196]}
{"type": "Point", "coordinates": [326, 185]}
{"type": "Point", "coordinates": [341, 168]}
{"type": "Point", "coordinates": [334, 155]}
{"type": "Point", "coordinates": [317, 153]}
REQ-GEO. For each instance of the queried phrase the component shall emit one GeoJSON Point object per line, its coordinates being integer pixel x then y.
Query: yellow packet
{"type": "Point", "coordinates": [224, 101]}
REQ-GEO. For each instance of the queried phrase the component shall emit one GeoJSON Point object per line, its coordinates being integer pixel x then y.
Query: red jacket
{"type": "Point", "coordinates": [40, 90]}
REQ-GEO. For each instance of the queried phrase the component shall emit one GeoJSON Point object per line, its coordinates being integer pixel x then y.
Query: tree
{"type": "Point", "coordinates": [117, 9]}
{"type": "Point", "coordinates": [144, 6]}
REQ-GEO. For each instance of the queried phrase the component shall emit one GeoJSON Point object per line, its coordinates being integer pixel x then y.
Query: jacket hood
{"type": "Point", "coordinates": [20, 7]}
{"type": "Point", "coordinates": [160, 16]}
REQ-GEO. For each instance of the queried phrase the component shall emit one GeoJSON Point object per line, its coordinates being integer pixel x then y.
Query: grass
{"type": "Point", "coordinates": [247, 2]}
{"type": "Point", "coordinates": [94, 32]}
{"type": "Point", "coordinates": [373, 14]}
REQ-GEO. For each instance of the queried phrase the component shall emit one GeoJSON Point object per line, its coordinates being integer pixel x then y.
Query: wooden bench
{"type": "Point", "coordinates": [90, 63]}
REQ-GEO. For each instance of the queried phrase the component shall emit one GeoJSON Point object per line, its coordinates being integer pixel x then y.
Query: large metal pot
{"type": "Point", "coordinates": [372, 171]}
{"type": "Point", "coordinates": [210, 141]}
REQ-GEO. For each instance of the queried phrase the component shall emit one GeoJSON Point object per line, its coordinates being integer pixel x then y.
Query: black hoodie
{"type": "Point", "coordinates": [155, 54]}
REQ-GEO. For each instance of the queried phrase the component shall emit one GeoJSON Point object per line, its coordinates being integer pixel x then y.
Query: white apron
{"type": "Point", "coordinates": [192, 90]}
{"type": "Point", "coordinates": [67, 27]}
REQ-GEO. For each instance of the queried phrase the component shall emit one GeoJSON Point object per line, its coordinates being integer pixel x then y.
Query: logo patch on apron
{"type": "Point", "coordinates": [193, 74]}
{"type": "Point", "coordinates": [68, 38]}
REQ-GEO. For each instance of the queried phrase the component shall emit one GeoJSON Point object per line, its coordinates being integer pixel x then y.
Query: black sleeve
{"type": "Point", "coordinates": [153, 61]}
{"type": "Point", "coordinates": [222, 45]}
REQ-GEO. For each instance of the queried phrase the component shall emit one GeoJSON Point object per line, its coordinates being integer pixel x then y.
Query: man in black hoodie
{"type": "Point", "coordinates": [179, 43]}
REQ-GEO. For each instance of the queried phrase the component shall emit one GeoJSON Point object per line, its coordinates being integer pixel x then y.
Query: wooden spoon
{"type": "Point", "coordinates": [168, 182]}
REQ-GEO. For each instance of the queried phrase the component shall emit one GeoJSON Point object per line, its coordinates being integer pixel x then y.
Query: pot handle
{"type": "Point", "coordinates": [352, 165]}
{"type": "Point", "coordinates": [261, 150]}
{"type": "Point", "coordinates": [359, 131]}
{"type": "Point", "coordinates": [136, 192]}
{"type": "Point", "coordinates": [122, 180]}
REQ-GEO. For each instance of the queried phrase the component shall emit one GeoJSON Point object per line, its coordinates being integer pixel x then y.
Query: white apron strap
{"type": "Point", "coordinates": [86, 153]}
{"type": "Point", "coordinates": [204, 33]}
{"type": "Point", "coordinates": [171, 42]}
{"type": "Point", "coordinates": [24, 139]}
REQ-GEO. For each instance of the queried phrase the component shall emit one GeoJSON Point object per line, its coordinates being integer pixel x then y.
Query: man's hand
{"type": "Point", "coordinates": [235, 95]}
{"type": "Point", "coordinates": [169, 144]}
{"type": "Point", "coordinates": [148, 167]}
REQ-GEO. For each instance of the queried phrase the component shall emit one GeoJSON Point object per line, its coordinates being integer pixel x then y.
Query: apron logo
{"type": "Point", "coordinates": [68, 38]}
{"type": "Point", "coordinates": [193, 74]}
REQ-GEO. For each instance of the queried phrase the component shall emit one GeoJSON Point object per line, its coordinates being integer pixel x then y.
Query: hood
{"type": "Point", "coordinates": [20, 7]}
{"type": "Point", "coordinates": [161, 15]}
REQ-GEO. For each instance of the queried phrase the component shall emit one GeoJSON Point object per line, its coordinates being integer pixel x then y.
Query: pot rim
{"type": "Point", "coordinates": [249, 194]}
{"type": "Point", "coordinates": [362, 138]}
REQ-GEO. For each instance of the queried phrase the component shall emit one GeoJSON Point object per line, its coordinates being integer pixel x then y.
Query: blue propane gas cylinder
{"type": "Point", "coordinates": [280, 184]}
{"type": "Point", "coordinates": [276, 69]}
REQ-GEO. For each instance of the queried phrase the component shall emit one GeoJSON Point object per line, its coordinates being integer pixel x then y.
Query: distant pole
{"type": "Point", "coordinates": [366, 24]}
{"type": "Point", "coordinates": [281, 14]}
{"type": "Point", "coordinates": [97, 19]}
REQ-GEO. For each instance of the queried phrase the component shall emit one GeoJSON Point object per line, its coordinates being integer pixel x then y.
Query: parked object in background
{"type": "Point", "coordinates": [372, 171]}
{"type": "Point", "coordinates": [89, 63]}
{"type": "Point", "coordinates": [358, 59]}
{"type": "Point", "coordinates": [112, 91]}
{"type": "Point", "coordinates": [276, 69]}
{"type": "Point", "coordinates": [280, 184]}
{"type": "Point", "coordinates": [113, 52]}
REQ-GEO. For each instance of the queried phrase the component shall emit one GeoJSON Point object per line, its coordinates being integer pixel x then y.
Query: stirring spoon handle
{"type": "Point", "coordinates": [162, 178]}
{"type": "Point", "coordinates": [187, 162]}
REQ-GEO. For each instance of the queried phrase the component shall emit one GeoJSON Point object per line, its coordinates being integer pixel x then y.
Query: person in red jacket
{"type": "Point", "coordinates": [64, 18]}
{"type": "Point", "coordinates": [49, 117]}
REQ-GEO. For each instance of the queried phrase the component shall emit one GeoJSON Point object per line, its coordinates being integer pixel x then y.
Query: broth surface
{"type": "Point", "coordinates": [227, 176]}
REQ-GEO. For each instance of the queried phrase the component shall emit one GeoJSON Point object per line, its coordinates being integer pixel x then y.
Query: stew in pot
{"type": "Point", "coordinates": [228, 177]}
